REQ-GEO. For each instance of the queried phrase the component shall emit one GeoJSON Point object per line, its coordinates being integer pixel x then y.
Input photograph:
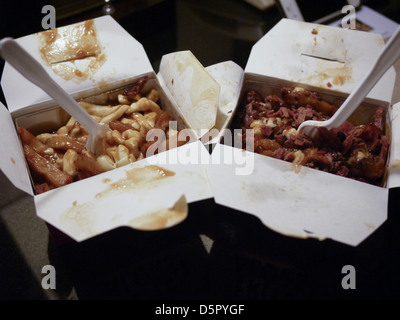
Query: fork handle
{"type": "Point", "coordinates": [388, 56]}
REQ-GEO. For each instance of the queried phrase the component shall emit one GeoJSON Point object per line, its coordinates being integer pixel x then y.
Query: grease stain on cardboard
{"type": "Point", "coordinates": [73, 52]}
{"type": "Point", "coordinates": [162, 218]}
{"type": "Point", "coordinates": [83, 218]}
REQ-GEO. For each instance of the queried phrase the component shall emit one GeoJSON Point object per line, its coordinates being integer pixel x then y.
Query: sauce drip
{"type": "Point", "coordinates": [73, 52]}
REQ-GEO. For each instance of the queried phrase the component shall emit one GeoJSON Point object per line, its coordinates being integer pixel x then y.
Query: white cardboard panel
{"type": "Point", "coordinates": [305, 203]}
{"type": "Point", "coordinates": [394, 162]}
{"type": "Point", "coordinates": [12, 161]}
{"type": "Point", "coordinates": [114, 198]}
{"type": "Point", "coordinates": [125, 58]}
{"type": "Point", "coordinates": [315, 54]}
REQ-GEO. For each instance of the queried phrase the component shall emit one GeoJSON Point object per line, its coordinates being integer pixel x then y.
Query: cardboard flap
{"type": "Point", "coordinates": [195, 91]}
{"type": "Point", "coordinates": [321, 56]}
{"type": "Point", "coordinates": [118, 57]}
{"type": "Point", "coordinates": [284, 197]}
{"type": "Point", "coordinates": [178, 73]}
{"type": "Point", "coordinates": [229, 76]}
{"type": "Point", "coordinates": [143, 192]}
{"type": "Point", "coordinates": [12, 163]}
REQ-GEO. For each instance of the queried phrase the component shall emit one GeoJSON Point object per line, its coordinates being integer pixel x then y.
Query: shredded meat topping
{"type": "Point", "coordinates": [357, 152]}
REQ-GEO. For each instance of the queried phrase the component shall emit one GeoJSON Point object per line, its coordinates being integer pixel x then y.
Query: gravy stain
{"type": "Point", "coordinates": [81, 218]}
{"type": "Point", "coordinates": [162, 218]}
{"type": "Point", "coordinates": [142, 178]}
{"type": "Point", "coordinates": [369, 226]}
{"type": "Point", "coordinates": [395, 163]}
{"type": "Point", "coordinates": [202, 101]}
{"type": "Point", "coordinates": [336, 76]}
{"type": "Point", "coordinates": [66, 49]}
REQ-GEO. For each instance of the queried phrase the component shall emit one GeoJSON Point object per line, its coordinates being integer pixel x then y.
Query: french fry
{"type": "Point", "coordinates": [43, 166]}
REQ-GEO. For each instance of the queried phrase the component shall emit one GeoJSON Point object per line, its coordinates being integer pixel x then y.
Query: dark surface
{"type": "Point", "coordinates": [247, 261]}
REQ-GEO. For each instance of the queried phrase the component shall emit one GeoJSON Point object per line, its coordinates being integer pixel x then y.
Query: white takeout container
{"type": "Point", "coordinates": [98, 204]}
{"type": "Point", "coordinates": [308, 203]}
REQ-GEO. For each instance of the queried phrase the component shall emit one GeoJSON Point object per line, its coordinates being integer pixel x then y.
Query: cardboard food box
{"type": "Point", "coordinates": [303, 202]}
{"type": "Point", "coordinates": [149, 194]}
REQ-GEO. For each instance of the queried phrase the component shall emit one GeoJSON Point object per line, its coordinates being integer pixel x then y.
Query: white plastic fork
{"type": "Point", "coordinates": [31, 69]}
{"type": "Point", "coordinates": [388, 56]}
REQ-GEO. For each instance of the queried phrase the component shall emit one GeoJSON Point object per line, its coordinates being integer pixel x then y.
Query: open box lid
{"type": "Point", "coordinates": [113, 55]}
{"type": "Point", "coordinates": [321, 56]}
